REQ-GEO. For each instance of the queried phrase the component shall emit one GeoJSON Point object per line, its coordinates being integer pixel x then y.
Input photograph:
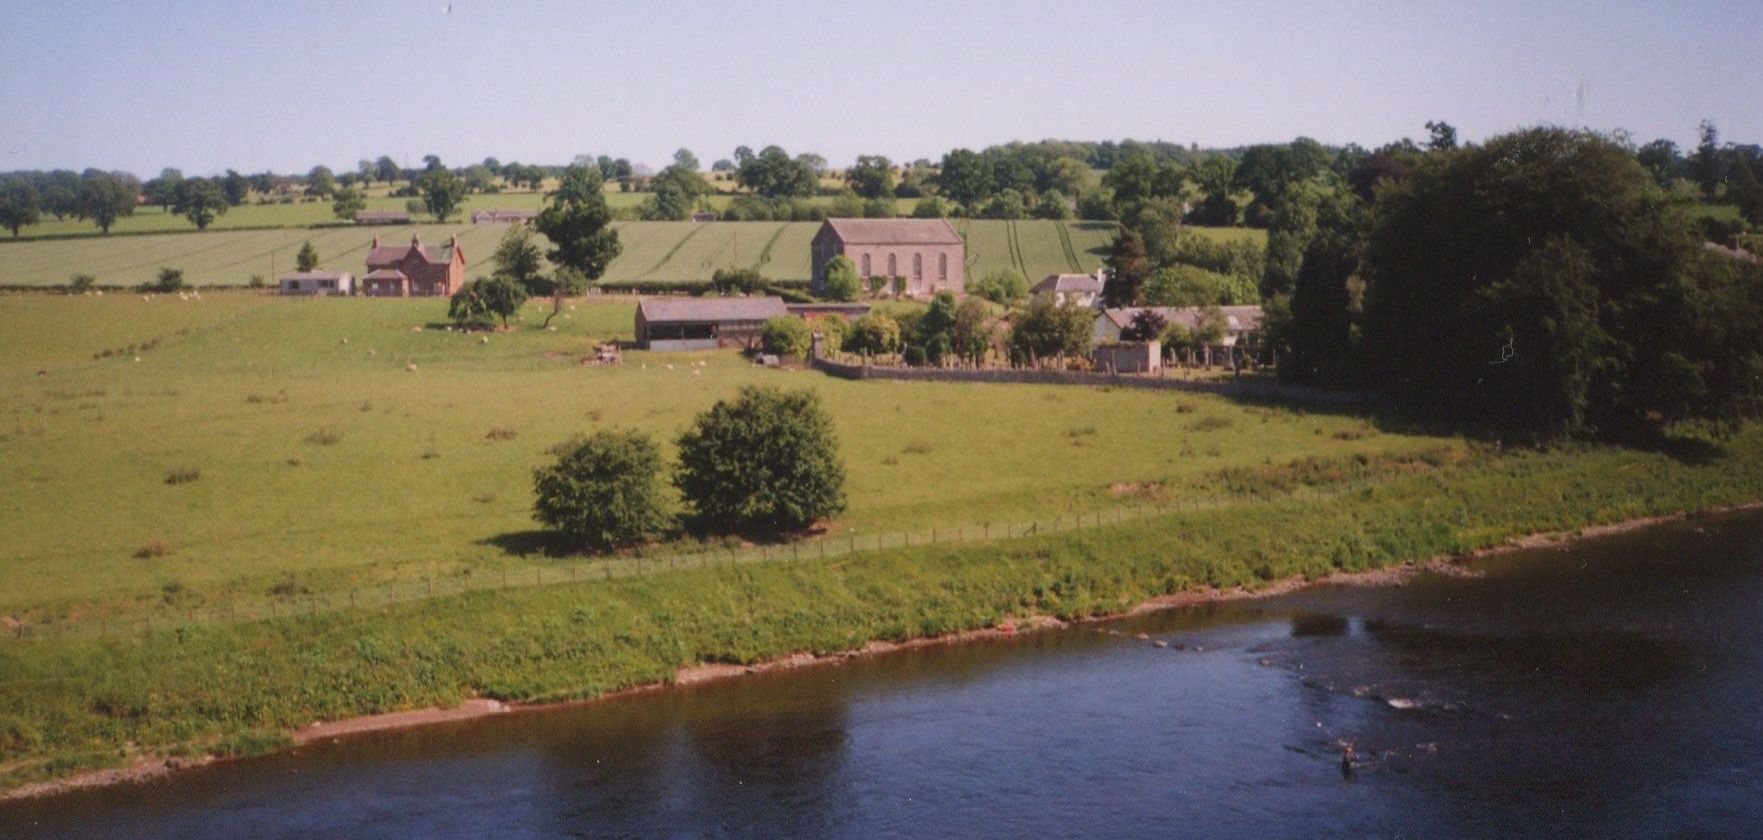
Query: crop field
{"type": "Point", "coordinates": [662, 251]}
{"type": "Point", "coordinates": [346, 442]}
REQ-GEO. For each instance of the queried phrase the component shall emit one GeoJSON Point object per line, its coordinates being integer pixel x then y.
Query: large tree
{"type": "Point", "coordinates": [387, 169]}
{"type": "Point", "coordinates": [321, 181]}
{"type": "Point", "coordinates": [1543, 284]}
{"type": "Point", "coordinates": [348, 202]}
{"type": "Point", "coordinates": [1704, 166]}
{"type": "Point", "coordinates": [201, 200]}
{"type": "Point", "coordinates": [604, 491]}
{"type": "Point", "coordinates": [441, 192]}
{"type": "Point", "coordinates": [579, 224]}
{"type": "Point", "coordinates": [19, 203]}
{"type": "Point", "coordinates": [964, 177]}
{"type": "Point", "coordinates": [774, 174]}
{"type": "Point", "coordinates": [766, 460]}
{"type": "Point", "coordinates": [872, 176]}
{"type": "Point", "coordinates": [518, 258]}
{"type": "Point", "coordinates": [1128, 269]}
{"type": "Point", "coordinates": [104, 198]}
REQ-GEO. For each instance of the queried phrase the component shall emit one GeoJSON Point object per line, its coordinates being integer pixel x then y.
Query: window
{"type": "Point", "coordinates": [943, 266]}
{"type": "Point", "coordinates": [865, 265]}
{"type": "Point", "coordinates": [918, 266]}
{"type": "Point", "coordinates": [893, 266]}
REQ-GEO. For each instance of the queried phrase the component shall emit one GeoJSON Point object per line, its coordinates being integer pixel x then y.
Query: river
{"type": "Point", "coordinates": [1611, 689]}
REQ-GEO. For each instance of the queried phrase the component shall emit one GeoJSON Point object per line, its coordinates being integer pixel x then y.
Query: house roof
{"type": "Point", "coordinates": [314, 275]}
{"type": "Point", "coordinates": [1236, 318]}
{"type": "Point", "coordinates": [695, 309]}
{"type": "Point", "coordinates": [895, 231]}
{"type": "Point", "coordinates": [1069, 283]}
{"type": "Point", "coordinates": [385, 274]}
{"type": "Point", "coordinates": [387, 255]}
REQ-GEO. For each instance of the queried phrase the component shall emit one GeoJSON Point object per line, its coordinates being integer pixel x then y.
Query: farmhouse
{"type": "Point", "coordinates": [1239, 321]}
{"type": "Point", "coordinates": [690, 323]}
{"type": "Point", "coordinates": [480, 217]}
{"type": "Point", "coordinates": [414, 270]}
{"type": "Point", "coordinates": [317, 283]}
{"type": "Point", "coordinates": [1075, 289]}
{"type": "Point", "coordinates": [382, 217]}
{"type": "Point", "coordinates": [928, 253]}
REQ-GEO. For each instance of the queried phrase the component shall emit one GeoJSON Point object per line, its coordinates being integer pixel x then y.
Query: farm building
{"type": "Point", "coordinates": [705, 216]}
{"type": "Point", "coordinates": [414, 270]}
{"type": "Point", "coordinates": [690, 323]}
{"type": "Point", "coordinates": [382, 217]}
{"type": "Point", "coordinates": [480, 217]}
{"type": "Point", "coordinates": [317, 283]}
{"type": "Point", "coordinates": [1239, 321]}
{"type": "Point", "coordinates": [1075, 289]}
{"type": "Point", "coordinates": [927, 252]}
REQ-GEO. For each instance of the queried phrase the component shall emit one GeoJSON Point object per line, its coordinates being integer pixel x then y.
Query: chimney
{"type": "Point", "coordinates": [376, 240]}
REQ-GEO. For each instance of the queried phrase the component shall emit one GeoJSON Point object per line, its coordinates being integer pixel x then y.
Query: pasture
{"type": "Point", "coordinates": [347, 442]}
{"type": "Point", "coordinates": [655, 251]}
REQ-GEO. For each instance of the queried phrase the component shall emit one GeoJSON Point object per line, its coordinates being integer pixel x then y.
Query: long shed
{"type": "Point", "coordinates": [691, 323]}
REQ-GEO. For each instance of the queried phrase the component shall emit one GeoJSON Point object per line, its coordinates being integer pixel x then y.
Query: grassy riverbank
{"type": "Point", "coordinates": [69, 704]}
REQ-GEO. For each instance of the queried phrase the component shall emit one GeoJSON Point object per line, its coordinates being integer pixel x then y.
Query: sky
{"type": "Point", "coordinates": [259, 84]}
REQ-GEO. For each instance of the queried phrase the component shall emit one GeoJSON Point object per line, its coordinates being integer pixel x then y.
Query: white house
{"type": "Point", "coordinates": [1076, 289]}
{"type": "Point", "coordinates": [318, 283]}
{"type": "Point", "coordinates": [1238, 320]}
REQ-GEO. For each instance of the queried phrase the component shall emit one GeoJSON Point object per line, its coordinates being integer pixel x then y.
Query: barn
{"type": "Point", "coordinates": [691, 323]}
{"type": "Point", "coordinates": [317, 283]}
{"type": "Point", "coordinates": [927, 253]}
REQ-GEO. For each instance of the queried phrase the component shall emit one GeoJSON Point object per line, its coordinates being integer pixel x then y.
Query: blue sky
{"type": "Point", "coordinates": [256, 85]}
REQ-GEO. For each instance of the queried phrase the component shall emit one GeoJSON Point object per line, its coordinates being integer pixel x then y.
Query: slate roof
{"type": "Point", "coordinates": [700, 310]}
{"type": "Point", "coordinates": [386, 255]}
{"type": "Point", "coordinates": [1069, 283]}
{"type": "Point", "coordinates": [895, 231]}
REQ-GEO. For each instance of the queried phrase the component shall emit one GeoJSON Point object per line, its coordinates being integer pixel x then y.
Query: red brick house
{"type": "Point", "coordinates": [927, 252]}
{"type": "Point", "coordinates": [413, 270]}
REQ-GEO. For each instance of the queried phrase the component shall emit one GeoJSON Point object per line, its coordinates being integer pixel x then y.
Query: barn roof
{"type": "Point", "coordinates": [1069, 283]}
{"type": "Point", "coordinates": [895, 231]}
{"type": "Point", "coordinates": [694, 309]}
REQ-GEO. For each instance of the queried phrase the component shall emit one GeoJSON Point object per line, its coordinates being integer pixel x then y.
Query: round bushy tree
{"type": "Point", "coordinates": [767, 460]}
{"type": "Point", "coordinates": [841, 280]}
{"type": "Point", "coordinates": [479, 300]}
{"type": "Point", "coordinates": [874, 334]}
{"type": "Point", "coordinates": [786, 335]}
{"type": "Point", "coordinates": [604, 491]}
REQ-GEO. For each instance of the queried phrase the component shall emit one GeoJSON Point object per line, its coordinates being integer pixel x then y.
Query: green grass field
{"type": "Point", "coordinates": [304, 448]}
{"type": "Point", "coordinates": [654, 251]}
{"type": "Point", "coordinates": [242, 387]}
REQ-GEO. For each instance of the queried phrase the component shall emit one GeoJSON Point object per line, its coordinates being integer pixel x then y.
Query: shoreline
{"type": "Point", "coordinates": [1396, 574]}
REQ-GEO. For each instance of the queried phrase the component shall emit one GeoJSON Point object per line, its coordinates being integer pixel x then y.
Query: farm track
{"type": "Point", "coordinates": [765, 253]}
{"type": "Point", "coordinates": [656, 269]}
{"type": "Point", "coordinates": [1070, 252]}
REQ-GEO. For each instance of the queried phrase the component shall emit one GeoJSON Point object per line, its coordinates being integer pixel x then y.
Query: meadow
{"type": "Point", "coordinates": [653, 251]}
{"type": "Point", "coordinates": [273, 447]}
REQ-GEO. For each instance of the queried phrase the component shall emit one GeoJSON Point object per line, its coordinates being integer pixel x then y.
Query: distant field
{"type": "Point", "coordinates": [659, 251]}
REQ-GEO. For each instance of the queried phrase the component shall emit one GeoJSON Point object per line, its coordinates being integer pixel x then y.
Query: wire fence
{"type": "Point", "coordinates": [296, 602]}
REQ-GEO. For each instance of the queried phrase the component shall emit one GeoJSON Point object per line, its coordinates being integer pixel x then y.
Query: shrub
{"type": "Point", "coordinates": [874, 334]}
{"type": "Point", "coordinates": [80, 284]}
{"type": "Point", "coordinates": [833, 329]}
{"type": "Point", "coordinates": [914, 355]}
{"type": "Point", "coordinates": [604, 491]}
{"type": "Point", "coordinates": [1002, 285]}
{"type": "Point", "coordinates": [841, 281]}
{"type": "Point", "coordinates": [152, 548]}
{"type": "Point", "coordinates": [169, 280]}
{"type": "Point", "coordinates": [737, 281]}
{"type": "Point", "coordinates": [501, 433]}
{"type": "Point", "coordinates": [325, 437]}
{"type": "Point", "coordinates": [768, 459]}
{"type": "Point", "coordinates": [256, 281]}
{"type": "Point", "coordinates": [182, 475]}
{"type": "Point", "coordinates": [786, 335]}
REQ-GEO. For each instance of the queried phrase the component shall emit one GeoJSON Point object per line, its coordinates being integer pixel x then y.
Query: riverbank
{"type": "Point", "coordinates": [1391, 575]}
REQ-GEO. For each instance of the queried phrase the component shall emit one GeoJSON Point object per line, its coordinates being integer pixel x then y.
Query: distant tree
{"type": "Point", "coordinates": [476, 302]}
{"type": "Point", "coordinates": [479, 178]}
{"type": "Point", "coordinates": [80, 284]}
{"type": "Point", "coordinates": [348, 202]}
{"type": "Point", "coordinates": [723, 165]}
{"type": "Point", "coordinates": [1048, 329]}
{"type": "Point", "coordinates": [321, 181]}
{"type": "Point", "coordinates": [1662, 159]}
{"type": "Point", "coordinates": [1744, 190]}
{"type": "Point", "coordinates": [1189, 285]}
{"type": "Point", "coordinates": [929, 207]}
{"type": "Point", "coordinates": [236, 187]}
{"type": "Point", "coordinates": [773, 174]}
{"type": "Point", "coordinates": [263, 182]}
{"type": "Point", "coordinates": [845, 205]}
{"type": "Point", "coordinates": [603, 492]}
{"type": "Point", "coordinates": [416, 207]}
{"type": "Point", "coordinates": [442, 191]}
{"type": "Point", "coordinates": [742, 155]}
{"type": "Point", "coordinates": [432, 163]}
{"type": "Point", "coordinates": [737, 281]}
{"type": "Point", "coordinates": [1052, 204]}
{"type": "Point", "coordinates": [201, 200]}
{"type": "Point", "coordinates": [1704, 166]}
{"type": "Point", "coordinates": [842, 282]}
{"type": "Point", "coordinates": [494, 165]}
{"type": "Point", "coordinates": [971, 335]}
{"type": "Point", "coordinates": [965, 177]}
{"type": "Point", "coordinates": [1070, 176]}
{"type": "Point", "coordinates": [1128, 269]}
{"type": "Point", "coordinates": [1006, 204]}
{"type": "Point", "coordinates": [1001, 285]}
{"type": "Point", "coordinates": [684, 159]}
{"type": "Point", "coordinates": [579, 224]}
{"type": "Point", "coordinates": [364, 170]}
{"type": "Point", "coordinates": [387, 169]}
{"type": "Point", "coordinates": [874, 334]}
{"type": "Point", "coordinates": [61, 194]}
{"type": "Point", "coordinates": [813, 162]}
{"type": "Point", "coordinates": [785, 335]}
{"type": "Point", "coordinates": [1217, 207]}
{"type": "Point", "coordinates": [872, 176]}
{"type": "Point", "coordinates": [767, 459]}
{"type": "Point", "coordinates": [307, 258]}
{"type": "Point", "coordinates": [1442, 136]}
{"type": "Point", "coordinates": [1146, 324]}
{"type": "Point", "coordinates": [163, 190]}
{"type": "Point", "coordinates": [518, 259]}
{"type": "Point", "coordinates": [19, 203]}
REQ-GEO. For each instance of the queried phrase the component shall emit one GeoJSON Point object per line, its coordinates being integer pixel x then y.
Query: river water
{"type": "Point", "coordinates": [1609, 690]}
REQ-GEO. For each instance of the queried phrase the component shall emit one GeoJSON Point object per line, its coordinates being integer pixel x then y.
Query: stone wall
{"type": "Point", "coordinates": [1252, 389]}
